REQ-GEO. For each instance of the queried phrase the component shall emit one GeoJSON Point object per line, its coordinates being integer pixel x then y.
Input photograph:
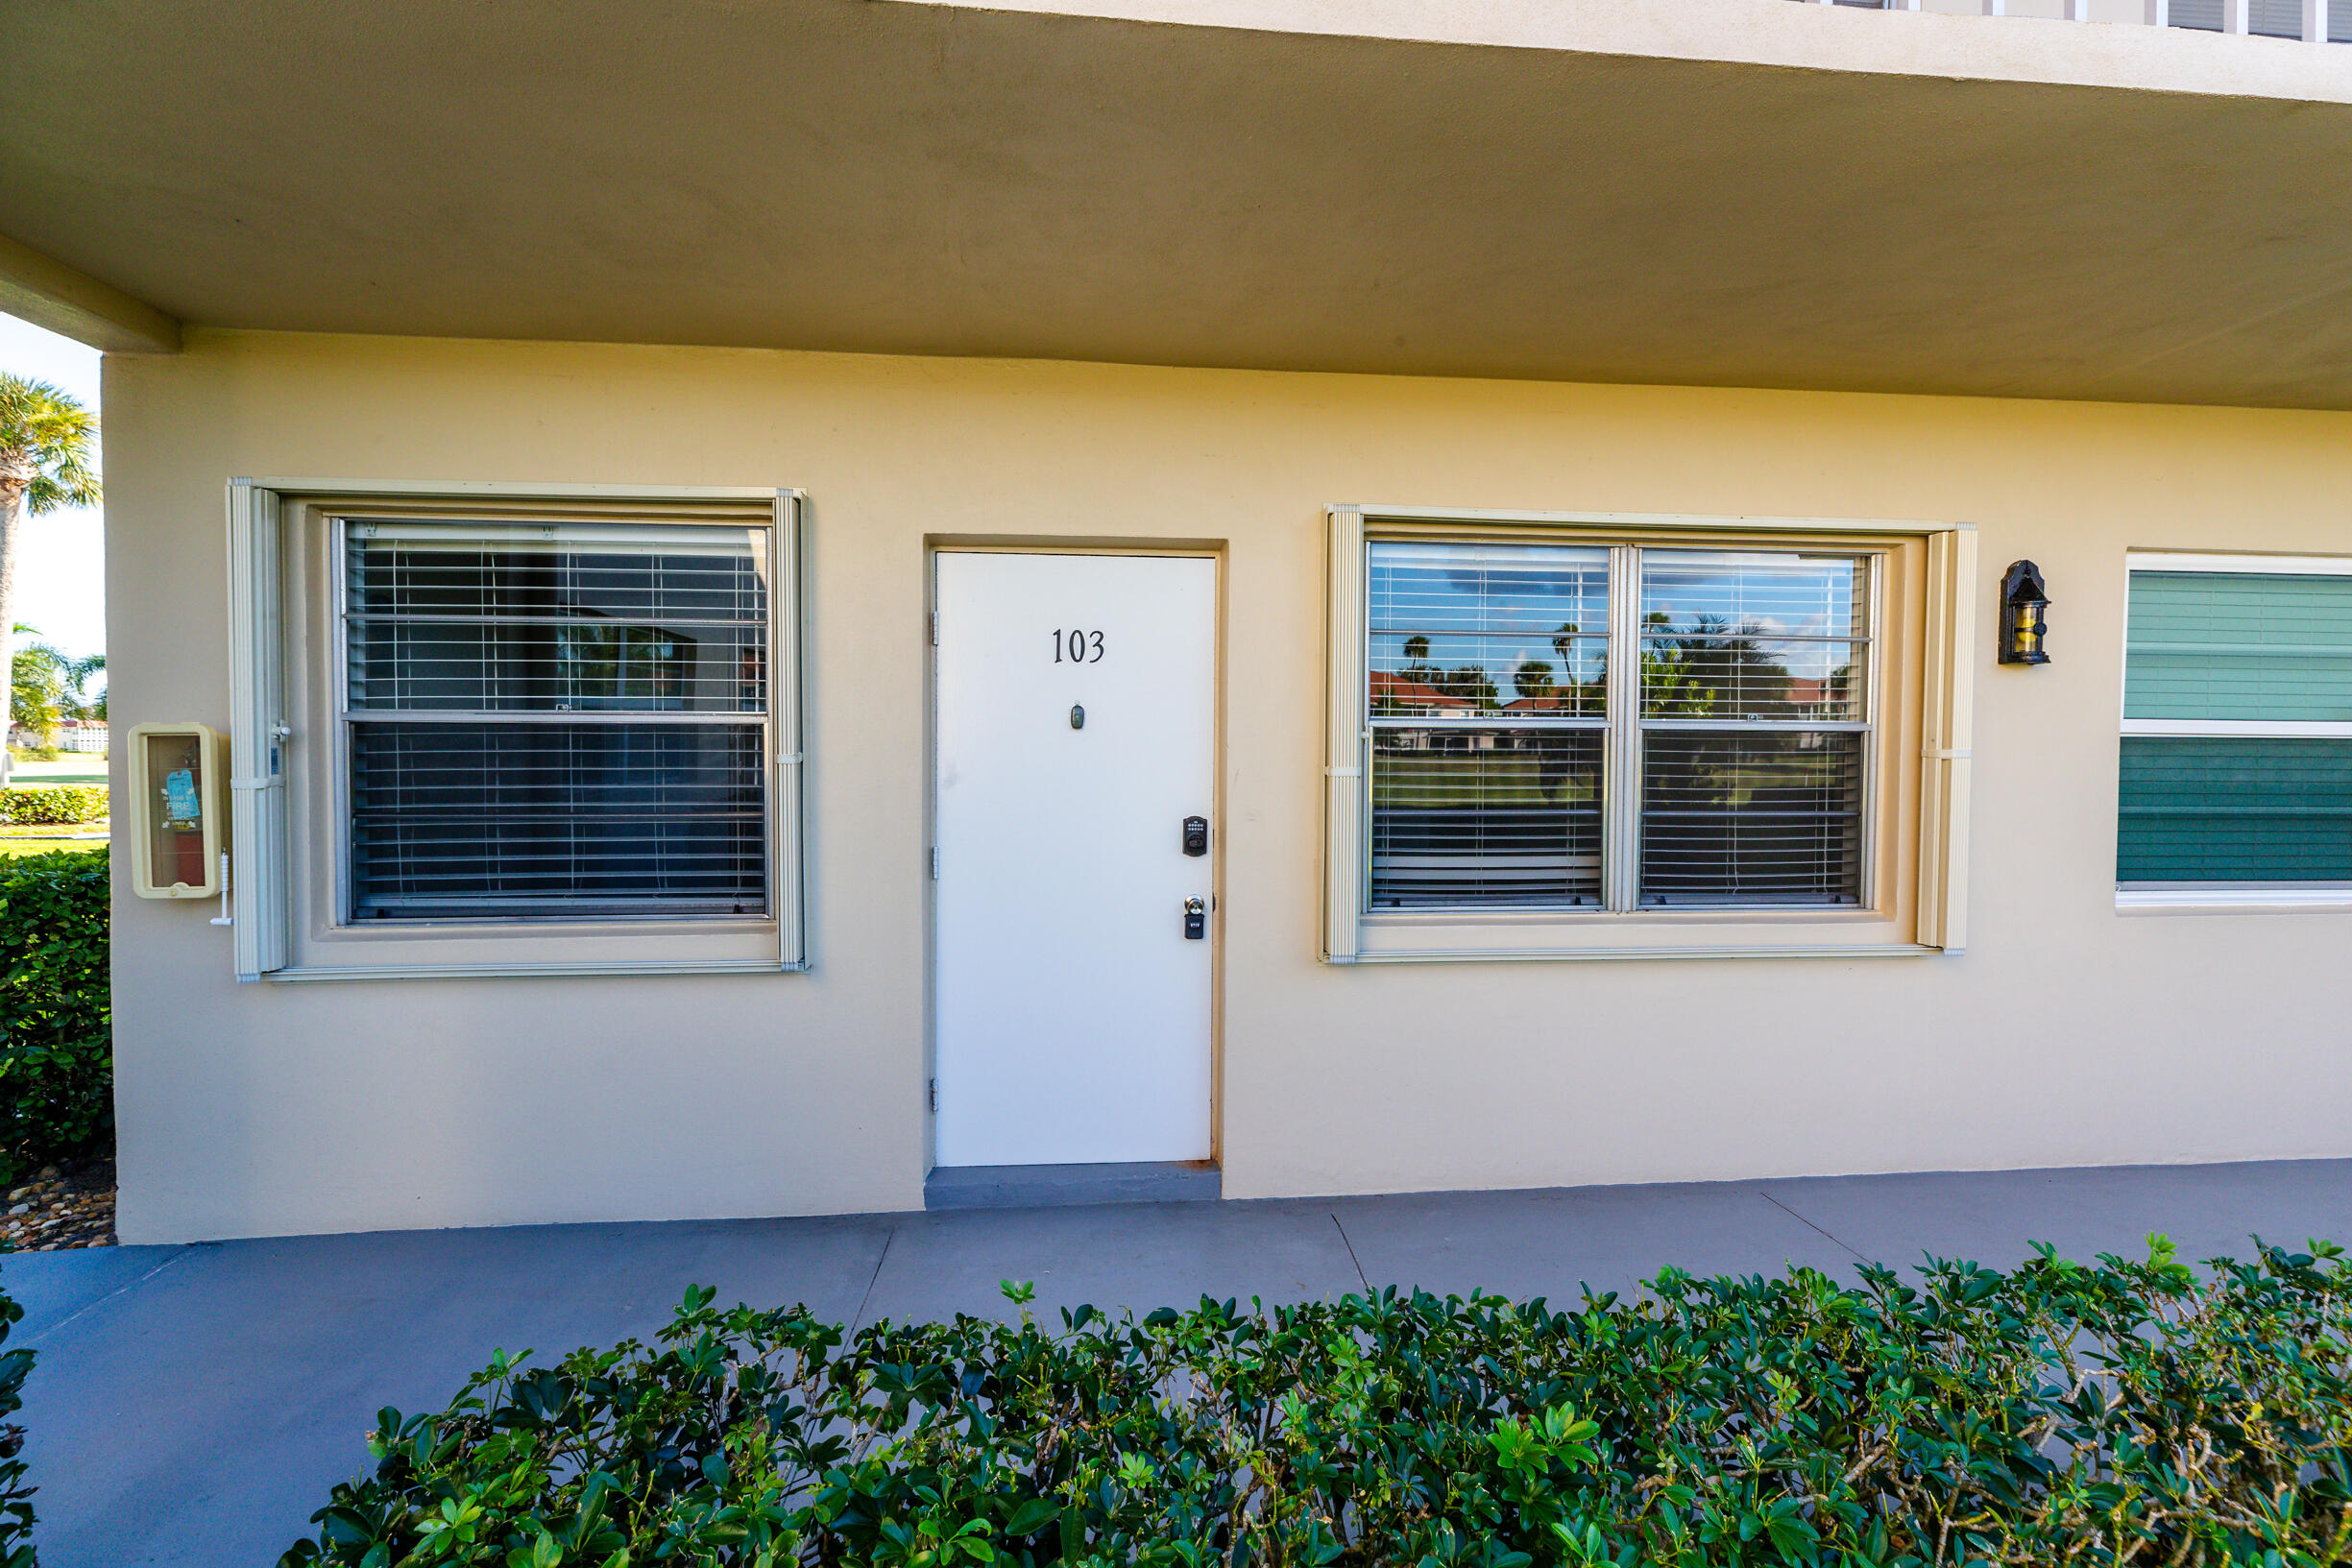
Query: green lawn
{"type": "Point", "coordinates": [13, 847]}
{"type": "Point", "coordinates": [72, 768]}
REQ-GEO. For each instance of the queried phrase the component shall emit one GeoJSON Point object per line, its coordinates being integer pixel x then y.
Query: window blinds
{"type": "Point", "coordinates": [1495, 704]}
{"type": "Point", "coordinates": [1487, 667]}
{"type": "Point", "coordinates": [567, 720]}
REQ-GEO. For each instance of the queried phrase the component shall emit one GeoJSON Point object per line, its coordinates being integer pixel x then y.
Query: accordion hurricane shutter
{"type": "Point", "coordinates": [2237, 751]}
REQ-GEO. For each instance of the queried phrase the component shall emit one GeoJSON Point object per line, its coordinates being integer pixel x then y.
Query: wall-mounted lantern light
{"type": "Point", "coordinates": [2022, 599]}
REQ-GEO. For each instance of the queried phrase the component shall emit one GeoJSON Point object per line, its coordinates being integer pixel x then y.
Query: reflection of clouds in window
{"type": "Point", "coordinates": [1803, 613]}
{"type": "Point", "coordinates": [1464, 619]}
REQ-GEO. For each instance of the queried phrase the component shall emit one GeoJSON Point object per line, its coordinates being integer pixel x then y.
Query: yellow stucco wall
{"type": "Point", "coordinates": [2067, 1034]}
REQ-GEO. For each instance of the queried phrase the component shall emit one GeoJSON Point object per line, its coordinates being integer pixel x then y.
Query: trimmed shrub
{"type": "Point", "coordinates": [57, 1048]}
{"type": "Point", "coordinates": [29, 804]}
{"type": "Point", "coordinates": [2132, 1412]}
{"type": "Point", "coordinates": [15, 1497]}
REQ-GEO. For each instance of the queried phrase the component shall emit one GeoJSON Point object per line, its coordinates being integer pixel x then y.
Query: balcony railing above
{"type": "Point", "coordinates": [2312, 22]}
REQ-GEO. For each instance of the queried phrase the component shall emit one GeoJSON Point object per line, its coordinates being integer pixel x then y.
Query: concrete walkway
{"type": "Point", "coordinates": [193, 1405]}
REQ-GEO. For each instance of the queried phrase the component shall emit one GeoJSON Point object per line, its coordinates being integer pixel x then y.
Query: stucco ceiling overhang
{"type": "Point", "coordinates": [1597, 190]}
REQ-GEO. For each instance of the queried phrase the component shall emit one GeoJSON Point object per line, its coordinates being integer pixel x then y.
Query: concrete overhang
{"type": "Point", "coordinates": [1734, 192]}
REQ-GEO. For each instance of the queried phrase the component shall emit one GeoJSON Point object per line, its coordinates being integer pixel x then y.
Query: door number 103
{"type": "Point", "coordinates": [1076, 647]}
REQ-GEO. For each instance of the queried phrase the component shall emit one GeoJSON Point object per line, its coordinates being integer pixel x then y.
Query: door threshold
{"type": "Point", "coordinates": [1063, 1186]}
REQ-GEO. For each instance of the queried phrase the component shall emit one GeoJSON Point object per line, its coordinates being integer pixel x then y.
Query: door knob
{"type": "Point", "coordinates": [1195, 919]}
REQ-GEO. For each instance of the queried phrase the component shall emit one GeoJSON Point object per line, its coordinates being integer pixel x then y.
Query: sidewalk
{"type": "Point", "coordinates": [193, 1405]}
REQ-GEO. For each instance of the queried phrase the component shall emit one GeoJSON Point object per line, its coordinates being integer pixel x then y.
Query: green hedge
{"type": "Point", "coordinates": [2132, 1412]}
{"type": "Point", "coordinates": [27, 804]}
{"type": "Point", "coordinates": [15, 1497]}
{"type": "Point", "coordinates": [57, 1052]}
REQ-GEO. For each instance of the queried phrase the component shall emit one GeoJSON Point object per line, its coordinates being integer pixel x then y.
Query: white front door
{"type": "Point", "coordinates": [1077, 722]}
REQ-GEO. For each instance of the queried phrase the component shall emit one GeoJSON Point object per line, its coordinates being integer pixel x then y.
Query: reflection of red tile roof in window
{"type": "Point", "coordinates": [1392, 692]}
{"type": "Point", "coordinates": [1554, 704]}
{"type": "Point", "coordinates": [1802, 691]}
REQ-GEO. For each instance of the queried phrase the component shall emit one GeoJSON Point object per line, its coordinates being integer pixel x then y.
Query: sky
{"type": "Point", "coordinates": [61, 581]}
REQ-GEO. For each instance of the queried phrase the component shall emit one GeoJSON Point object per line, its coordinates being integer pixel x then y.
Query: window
{"type": "Point", "coordinates": [554, 721]}
{"type": "Point", "coordinates": [1566, 739]}
{"type": "Point", "coordinates": [2236, 782]}
{"type": "Point", "coordinates": [509, 730]}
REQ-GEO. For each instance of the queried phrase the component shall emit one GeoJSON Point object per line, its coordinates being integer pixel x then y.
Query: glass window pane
{"type": "Point", "coordinates": [582, 618]}
{"type": "Point", "coordinates": [1462, 631]}
{"type": "Point", "coordinates": [2235, 809]}
{"type": "Point", "coordinates": [471, 820]}
{"type": "Point", "coordinates": [1751, 817]}
{"type": "Point", "coordinates": [2239, 645]}
{"type": "Point", "coordinates": [475, 817]}
{"type": "Point", "coordinates": [1753, 634]}
{"type": "Point", "coordinates": [1485, 817]}
{"type": "Point", "coordinates": [2275, 18]}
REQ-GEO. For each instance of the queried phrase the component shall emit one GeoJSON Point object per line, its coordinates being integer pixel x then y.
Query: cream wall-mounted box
{"type": "Point", "coordinates": [177, 813]}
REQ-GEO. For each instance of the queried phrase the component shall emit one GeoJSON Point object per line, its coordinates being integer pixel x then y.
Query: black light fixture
{"type": "Point", "coordinates": [2022, 599]}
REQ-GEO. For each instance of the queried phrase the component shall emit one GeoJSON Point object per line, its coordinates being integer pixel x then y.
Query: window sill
{"type": "Point", "coordinates": [713, 946]}
{"type": "Point", "coordinates": [1473, 936]}
{"type": "Point", "coordinates": [1474, 955]}
{"type": "Point", "coordinates": [498, 970]}
{"type": "Point", "coordinates": [2232, 901]}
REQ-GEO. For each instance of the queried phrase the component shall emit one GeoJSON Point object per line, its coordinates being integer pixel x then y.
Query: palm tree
{"type": "Point", "coordinates": [47, 685]}
{"type": "Point", "coordinates": [48, 450]}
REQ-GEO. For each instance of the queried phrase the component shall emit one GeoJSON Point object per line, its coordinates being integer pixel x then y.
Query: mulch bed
{"type": "Point", "coordinates": [65, 1205]}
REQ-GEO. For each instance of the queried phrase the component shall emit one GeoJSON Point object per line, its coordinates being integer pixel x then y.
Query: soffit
{"type": "Point", "coordinates": [928, 179]}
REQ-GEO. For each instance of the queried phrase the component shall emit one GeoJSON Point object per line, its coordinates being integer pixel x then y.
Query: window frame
{"type": "Point", "coordinates": [290, 819]}
{"type": "Point", "coordinates": [2210, 898]}
{"type": "Point", "coordinates": [1921, 685]}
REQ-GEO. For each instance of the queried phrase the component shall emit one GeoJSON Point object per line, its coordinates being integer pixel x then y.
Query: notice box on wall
{"type": "Point", "coordinates": [176, 811]}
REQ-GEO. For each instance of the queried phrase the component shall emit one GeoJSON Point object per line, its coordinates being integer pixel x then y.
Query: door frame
{"type": "Point", "coordinates": [934, 546]}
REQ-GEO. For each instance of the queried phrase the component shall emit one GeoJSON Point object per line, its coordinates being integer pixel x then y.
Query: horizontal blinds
{"type": "Point", "coordinates": [2235, 809]}
{"type": "Point", "coordinates": [472, 535]}
{"type": "Point", "coordinates": [1743, 774]}
{"type": "Point", "coordinates": [1736, 817]}
{"type": "Point", "coordinates": [421, 665]}
{"type": "Point", "coordinates": [556, 720]}
{"type": "Point", "coordinates": [1465, 630]}
{"type": "Point", "coordinates": [1741, 803]}
{"type": "Point", "coordinates": [1486, 670]}
{"type": "Point", "coordinates": [2275, 18]}
{"type": "Point", "coordinates": [2274, 646]}
{"type": "Point", "coordinates": [1485, 817]}
{"type": "Point", "coordinates": [468, 820]}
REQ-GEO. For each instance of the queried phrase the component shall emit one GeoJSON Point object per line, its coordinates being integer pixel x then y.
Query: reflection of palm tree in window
{"type": "Point", "coordinates": [1400, 697]}
{"type": "Point", "coordinates": [1533, 681]}
{"type": "Point", "coordinates": [1837, 693]}
{"type": "Point", "coordinates": [1714, 671]}
{"type": "Point", "coordinates": [1470, 683]}
{"type": "Point", "coordinates": [1578, 696]}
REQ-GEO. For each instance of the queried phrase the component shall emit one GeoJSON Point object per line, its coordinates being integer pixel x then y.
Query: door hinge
{"type": "Point", "coordinates": [934, 627]}
{"type": "Point", "coordinates": [935, 862]}
{"type": "Point", "coordinates": [933, 1095]}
